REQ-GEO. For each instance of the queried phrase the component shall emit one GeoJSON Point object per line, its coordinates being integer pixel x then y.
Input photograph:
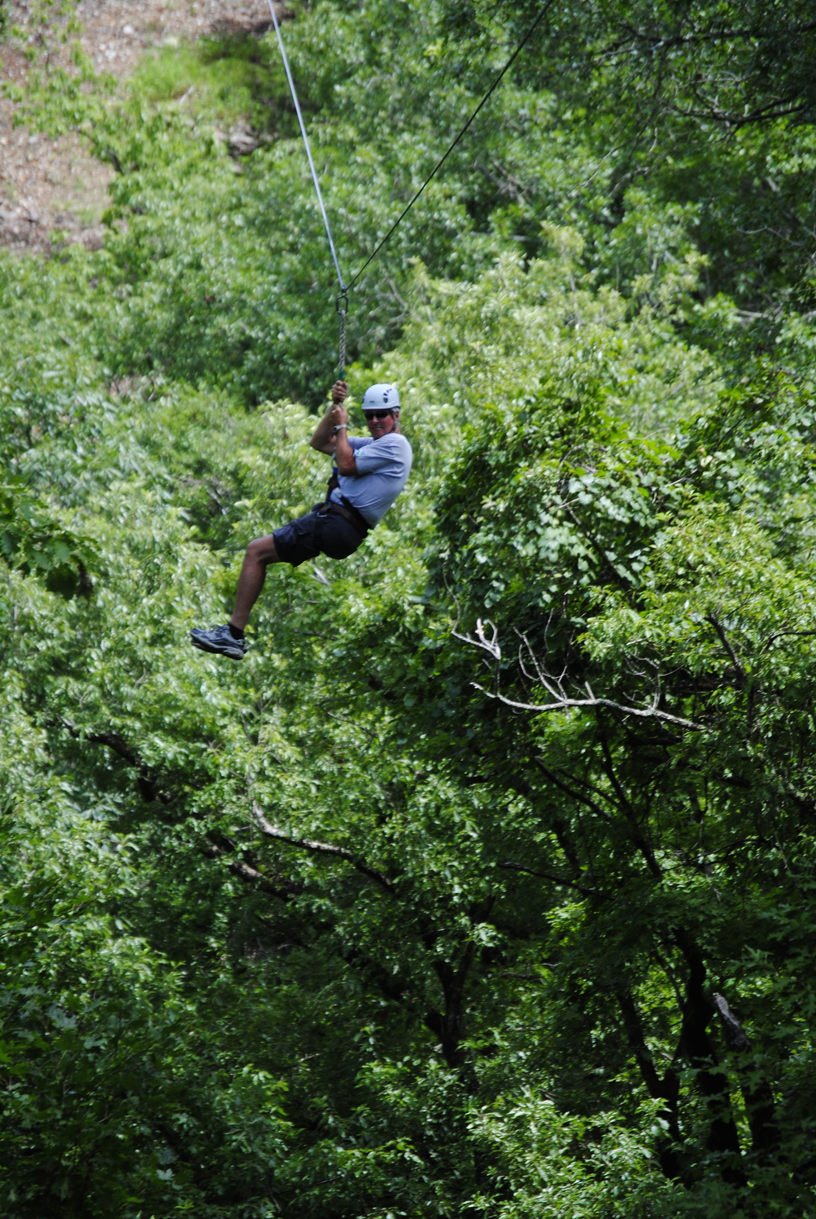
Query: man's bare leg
{"type": "Point", "coordinates": [259, 554]}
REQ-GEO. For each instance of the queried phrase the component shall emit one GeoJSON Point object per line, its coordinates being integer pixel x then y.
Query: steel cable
{"type": "Point", "coordinates": [444, 158]}
{"type": "Point", "coordinates": [342, 299]}
{"type": "Point", "coordinates": [343, 287]}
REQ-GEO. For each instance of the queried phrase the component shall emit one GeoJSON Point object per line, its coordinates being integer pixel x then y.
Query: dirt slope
{"type": "Point", "coordinates": [47, 184]}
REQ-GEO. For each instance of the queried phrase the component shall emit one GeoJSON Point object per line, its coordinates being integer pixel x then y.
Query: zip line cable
{"type": "Point", "coordinates": [343, 287]}
{"type": "Point", "coordinates": [341, 303]}
{"type": "Point", "coordinates": [444, 158]}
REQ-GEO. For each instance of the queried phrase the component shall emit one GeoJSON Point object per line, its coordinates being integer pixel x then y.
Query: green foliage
{"type": "Point", "coordinates": [231, 77]}
{"type": "Point", "coordinates": [33, 540]}
{"type": "Point", "coordinates": [61, 91]}
{"type": "Point", "coordinates": [482, 887]}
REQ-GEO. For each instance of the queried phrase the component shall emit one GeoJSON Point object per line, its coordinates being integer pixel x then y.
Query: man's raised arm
{"type": "Point", "coordinates": [323, 439]}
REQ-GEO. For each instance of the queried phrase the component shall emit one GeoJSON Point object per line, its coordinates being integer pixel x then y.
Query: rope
{"type": "Point", "coordinates": [443, 159]}
{"type": "Point", "coordinates": [311, 162]}
{"type": "Point", "coordinates": [341, 305]}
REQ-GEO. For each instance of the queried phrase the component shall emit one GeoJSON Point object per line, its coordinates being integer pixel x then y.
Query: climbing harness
{"type": "Point", "coordinates": [342, 301]}
{"type": "Point", "coordinates": [345, 508]}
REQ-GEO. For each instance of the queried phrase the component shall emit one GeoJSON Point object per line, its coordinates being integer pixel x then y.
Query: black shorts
{"type": "Point", "coordinates": [319, 532]}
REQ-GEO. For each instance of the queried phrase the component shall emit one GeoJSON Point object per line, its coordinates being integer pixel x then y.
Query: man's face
{"type": "Point", "coordinates": [380, 423]}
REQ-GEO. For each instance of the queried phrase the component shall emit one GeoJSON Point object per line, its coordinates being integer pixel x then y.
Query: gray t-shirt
{"type": "Point", "coordinates": [383, 467]}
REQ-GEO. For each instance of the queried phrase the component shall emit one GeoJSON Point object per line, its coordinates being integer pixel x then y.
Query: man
{"type": "Point", "coordinates": [370, 473]}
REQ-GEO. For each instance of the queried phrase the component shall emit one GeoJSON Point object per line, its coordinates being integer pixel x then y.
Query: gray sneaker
{"type": "Point", "coordinates": [220, 641]}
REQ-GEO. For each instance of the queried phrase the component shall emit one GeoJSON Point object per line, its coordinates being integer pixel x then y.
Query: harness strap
{"type": "Point", "coordinates": [351, 514]}
{"type": "Point", "coordinates": [345, 508]}
{"type": "Point", "coordinates": [332, 484]}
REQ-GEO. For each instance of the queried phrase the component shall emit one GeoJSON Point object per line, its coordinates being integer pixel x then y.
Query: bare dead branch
{"type": "Point", "coordinates": [564, 704]}
{"type": "Point", "coordinates": [554, 686]}
{"type": "Point", "coordinates": [321, 848]}
{"type": "Point", "coordinates": [734, 1033]}
{"type": "Point", "coordinates": [481, 641]}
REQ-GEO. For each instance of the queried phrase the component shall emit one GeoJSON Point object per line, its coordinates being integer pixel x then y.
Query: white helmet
{"type": "Point", "coordinates": [381, 397]}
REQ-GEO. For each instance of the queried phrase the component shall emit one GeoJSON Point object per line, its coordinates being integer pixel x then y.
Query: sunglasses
{"type": "Point", "coordinates": [370, 415]}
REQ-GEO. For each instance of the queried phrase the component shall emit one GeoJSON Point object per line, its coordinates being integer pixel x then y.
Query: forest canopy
{"type": "Point", "coordinates": [484, 886]}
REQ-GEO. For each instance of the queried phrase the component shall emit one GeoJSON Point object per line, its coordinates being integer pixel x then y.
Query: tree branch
{"type": "Point", "coordinates": [696, 1045]}
{"type": "Point", "coordinates": [118, 745]}
{"type": "Point", "coordinates": [321, 848]}
{"type": "Point", "coordinates": [658, 42]}
{"type": "Point", "coordinates": [563, 704]}
{"type": "Point", "coordinates": [568, 791]}
{"type": "Point", "coordinates": [758, 1094]}
{"type": "Point", "coordinates": [284, 889]}
{"type": "Point", "coordinates": [511, 865]}
{"type": "Point", "coordinates": [725, 641]}
{"type": "Point", "coordinates": [666, 1089]}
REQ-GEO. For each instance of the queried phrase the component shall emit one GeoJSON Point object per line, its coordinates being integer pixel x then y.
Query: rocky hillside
{"type": "Point", "coordinates": [54, 183]}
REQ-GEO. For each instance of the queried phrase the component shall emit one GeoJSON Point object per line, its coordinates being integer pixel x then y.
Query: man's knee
{"type": "Point", "coordinates": [262, 550]}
